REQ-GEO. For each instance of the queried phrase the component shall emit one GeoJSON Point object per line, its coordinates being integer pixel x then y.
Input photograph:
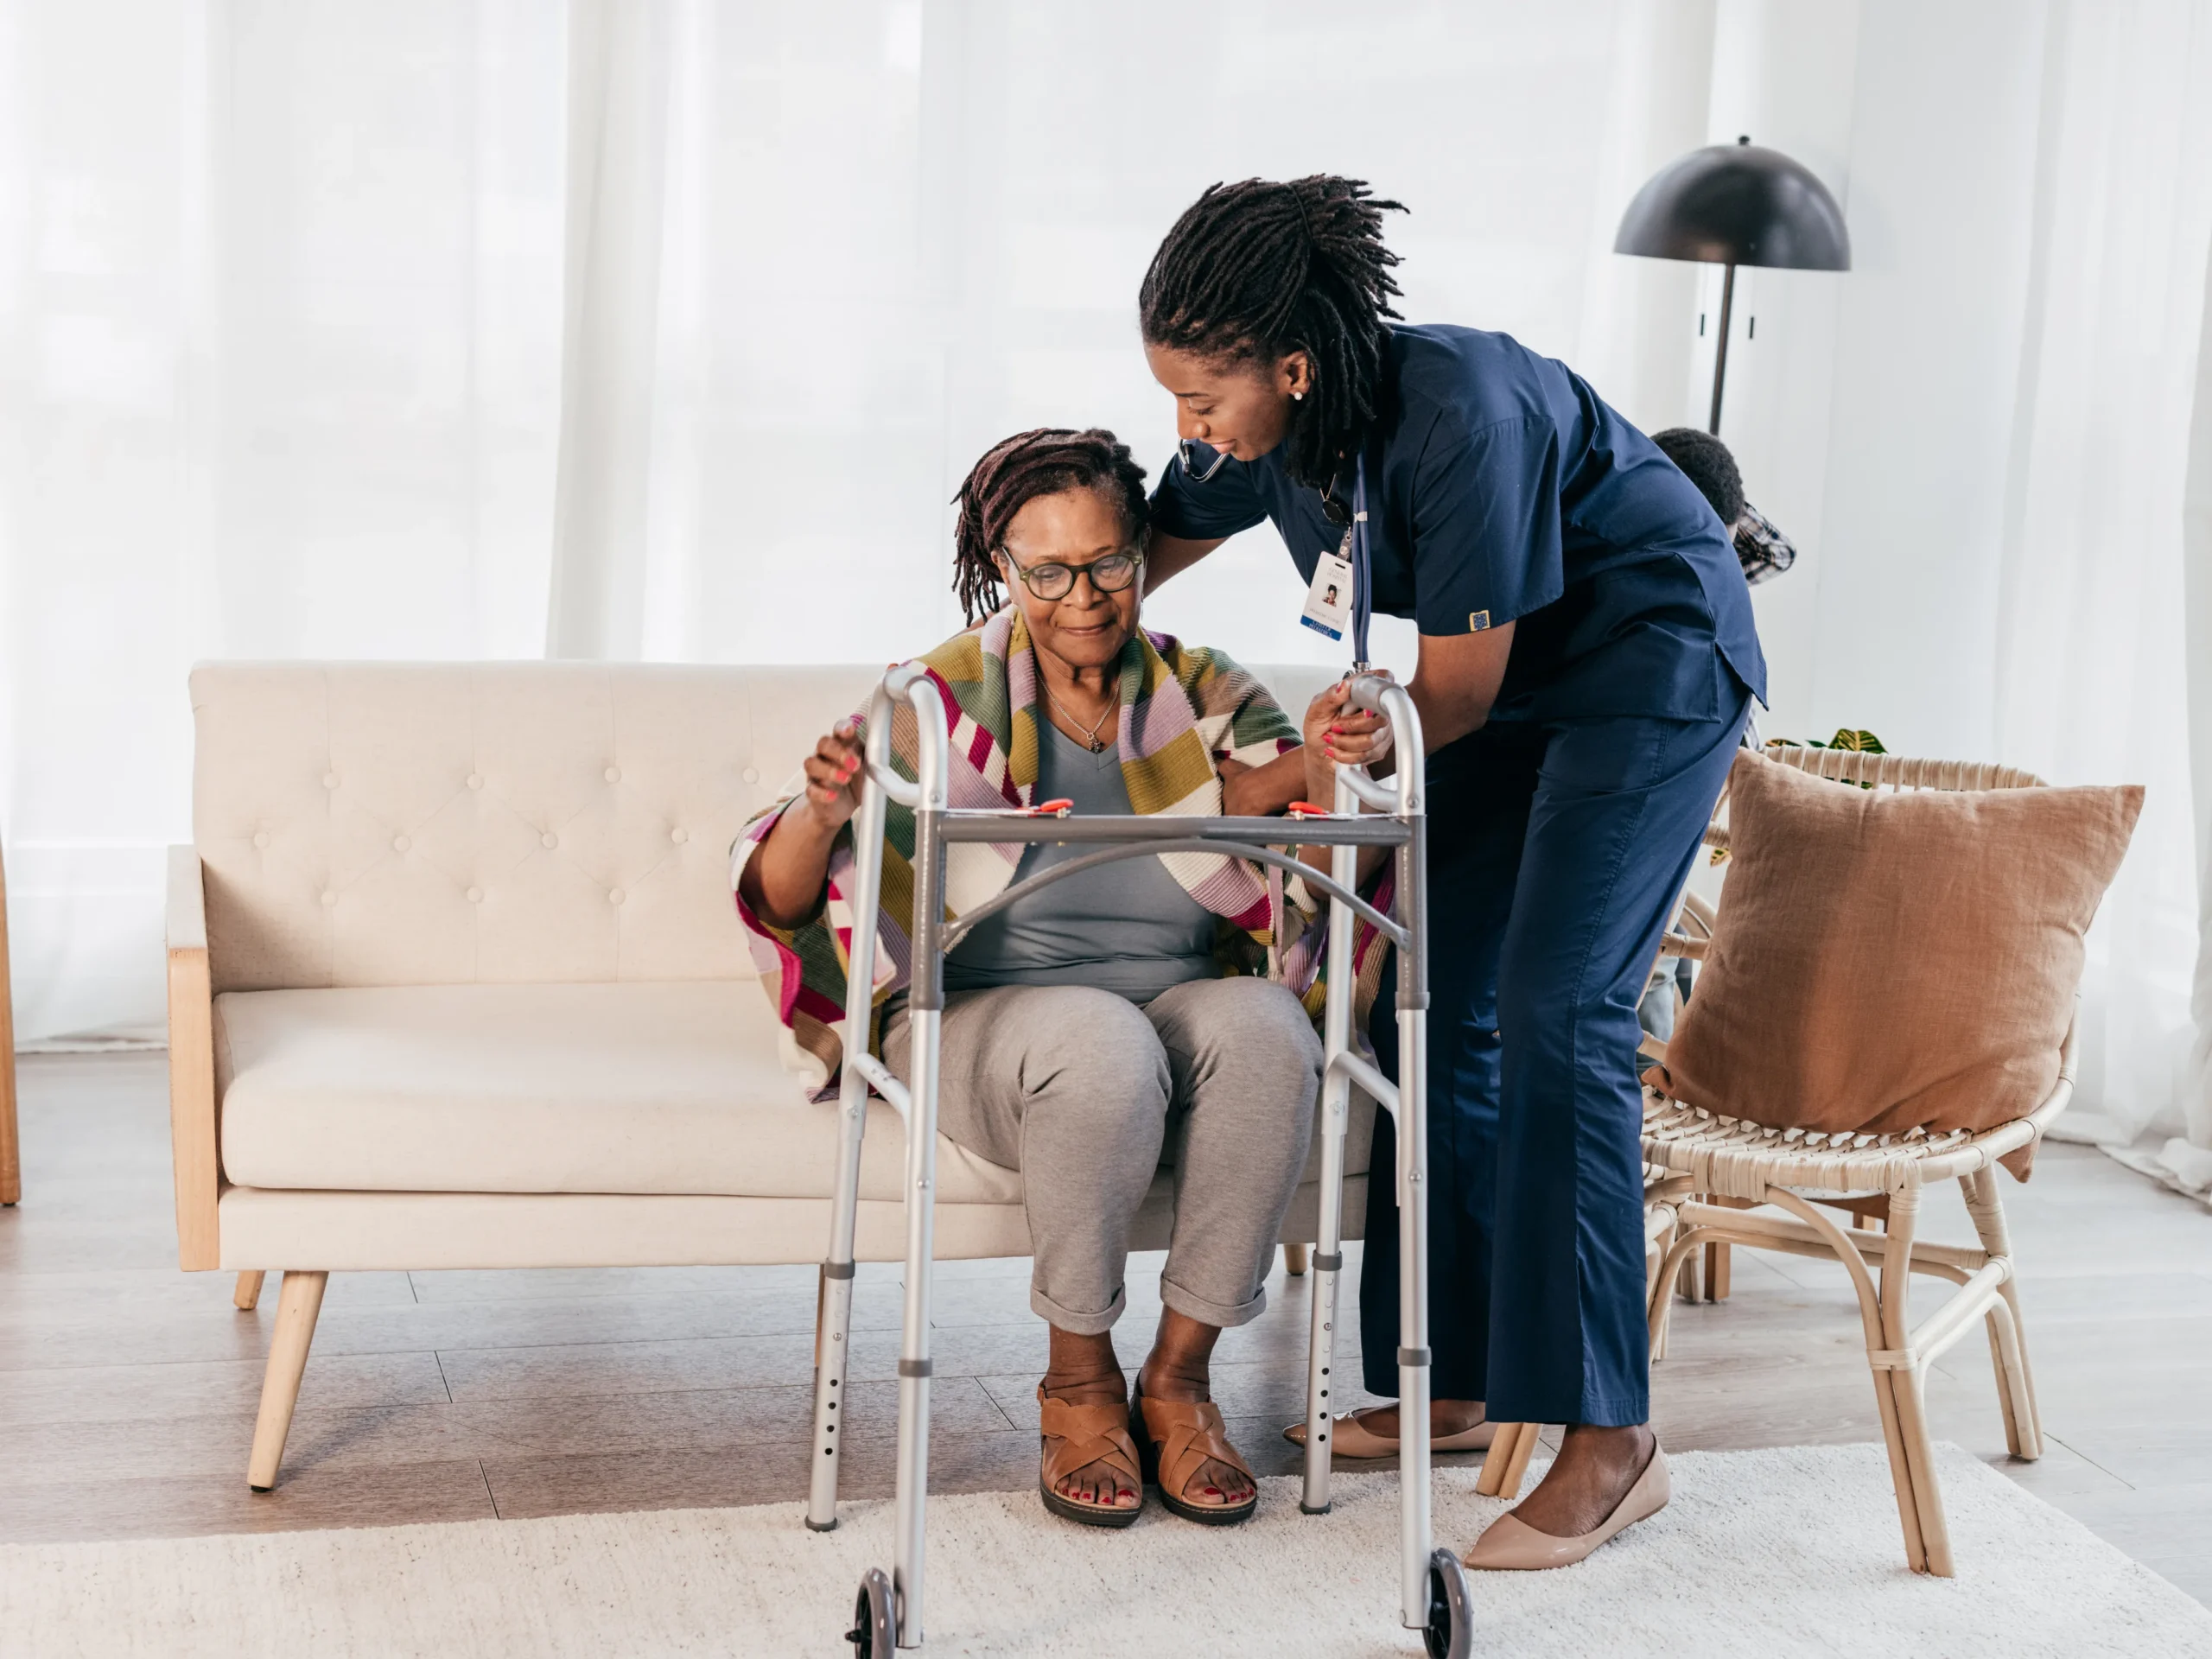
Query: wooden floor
{"type": "Point", "coordinates": [127, 1389]}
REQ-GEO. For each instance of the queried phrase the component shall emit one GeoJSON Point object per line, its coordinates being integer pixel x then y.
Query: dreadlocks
{"type": "Point", "coordinates": [1257, 270]}
{"type": "Point", "coordinates": [1014, 472]}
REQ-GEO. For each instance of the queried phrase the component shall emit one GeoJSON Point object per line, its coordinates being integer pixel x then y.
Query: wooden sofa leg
{"type": "Point", "coordinates": [297, 1304]}
{"type": "Point", "coordinates": [247, 1296]}
{"type": "Point", "coordinates": [1296, 1258]}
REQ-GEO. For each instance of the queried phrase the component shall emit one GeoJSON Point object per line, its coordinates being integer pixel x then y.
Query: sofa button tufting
{"type": "Point", "coordinates": [549, 839]}
{"type": "Point", "coordinates": [400, 843]}
{"type": "Point", "coordinates": [476, 895]}
{"type": "Point", "coordinates": [750, 774]}
{"type": "Point", "coordinates": [476, 780]}
{"type": "Point", "coordinates": [330, 781]}
{"type": "Point", "coordinates": [260, 838]}
{"type": "Point", "coordinates": [615, 897]}
{"type": "Point", "coordinates": [614, 774]}
{"type": "Point", "coordinates": [679, 836]}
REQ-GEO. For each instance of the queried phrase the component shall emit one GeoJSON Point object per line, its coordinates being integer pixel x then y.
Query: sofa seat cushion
{"type": "Point", "coordinates": [609, 1088]}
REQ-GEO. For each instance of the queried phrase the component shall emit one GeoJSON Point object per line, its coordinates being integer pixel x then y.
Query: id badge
{"type": "Point", "coordinates": [1328, 601]}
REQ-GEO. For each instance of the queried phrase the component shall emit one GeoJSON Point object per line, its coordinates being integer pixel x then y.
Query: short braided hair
{"type": "Point", "coordinates": [1046, 461]}
{"type": "Point", "coordinates": [1709, 465]}
{"type": "Point", "coordinates": [1255, 270]}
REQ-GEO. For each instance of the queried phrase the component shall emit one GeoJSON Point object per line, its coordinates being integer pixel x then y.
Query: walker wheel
{"type": "Point", "coordinates": [1450, 1632]}
{"type": "Point", "coordinates": [872, 1635]}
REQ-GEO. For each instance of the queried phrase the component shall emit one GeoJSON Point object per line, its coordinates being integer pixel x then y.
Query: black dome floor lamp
{"type": "Point", "coordinates": [1735, 204]}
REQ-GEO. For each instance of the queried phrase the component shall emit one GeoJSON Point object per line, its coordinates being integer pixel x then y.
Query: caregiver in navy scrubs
{"type": "Point", "coordinates": [1587, 664]}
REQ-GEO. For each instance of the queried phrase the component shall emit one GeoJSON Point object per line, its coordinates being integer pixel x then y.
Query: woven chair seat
{"type": "Point", "coordinates": [1741, 1158]}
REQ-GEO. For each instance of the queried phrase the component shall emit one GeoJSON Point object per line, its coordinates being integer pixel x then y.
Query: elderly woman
{"type": "Point", "coordinates": [1143, 1011]}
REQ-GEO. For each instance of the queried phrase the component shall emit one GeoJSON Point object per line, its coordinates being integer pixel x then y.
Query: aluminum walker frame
{"type": "Point", "coordinates": [1434, 1588]}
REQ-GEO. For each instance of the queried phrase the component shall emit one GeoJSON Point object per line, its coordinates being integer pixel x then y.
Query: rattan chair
{"type": "Point", "coordinates": [1732, 1162]}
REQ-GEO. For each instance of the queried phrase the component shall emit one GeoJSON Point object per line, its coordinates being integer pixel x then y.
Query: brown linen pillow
{"type": "Point", "coordinates": [1884, 961]}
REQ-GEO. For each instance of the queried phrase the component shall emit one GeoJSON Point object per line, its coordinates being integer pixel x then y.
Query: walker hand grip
{"type": "Point", "coordinates": [1366, 692]}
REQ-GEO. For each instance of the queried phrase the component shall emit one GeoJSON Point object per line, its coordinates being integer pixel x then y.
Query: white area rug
{"type": "Point", "coordinates": [1761, 1553]}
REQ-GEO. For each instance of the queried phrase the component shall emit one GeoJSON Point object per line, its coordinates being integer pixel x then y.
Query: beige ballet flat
{"type": "Point", "coordinates": [1349, 1438]}
{"type": "Point", "coordinates": [1513, 1546]}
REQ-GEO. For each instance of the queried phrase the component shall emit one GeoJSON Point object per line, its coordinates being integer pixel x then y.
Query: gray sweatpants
{"type": "Point", "coordinates": [1087, 1095]}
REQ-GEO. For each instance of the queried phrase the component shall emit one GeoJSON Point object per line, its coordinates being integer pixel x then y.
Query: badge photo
{"type": "Point", "coordinates": [1329, 597]}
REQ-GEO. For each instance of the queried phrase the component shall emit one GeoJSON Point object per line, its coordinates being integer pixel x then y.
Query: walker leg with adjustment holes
{"type": "Point", "coordinates": [1334, 1105]}
{"type": "Point", "coordinates": [832, 1324]}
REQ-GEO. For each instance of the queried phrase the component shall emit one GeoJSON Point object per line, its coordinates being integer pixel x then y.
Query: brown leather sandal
{"type": "Point", "coordinates": [1076, 1435]}
{"type": "Point", "coordinates": [1175, 1438]}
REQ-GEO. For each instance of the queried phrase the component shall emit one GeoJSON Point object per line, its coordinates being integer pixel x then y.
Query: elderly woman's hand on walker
{"type": "Point", "coordinates": [783, 881]}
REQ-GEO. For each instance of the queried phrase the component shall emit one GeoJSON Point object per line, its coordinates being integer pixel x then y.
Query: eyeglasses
{"type": "Point", "coordinates": [1109, 575]}
{"type": "Point", "coordinates": [1220, 461]}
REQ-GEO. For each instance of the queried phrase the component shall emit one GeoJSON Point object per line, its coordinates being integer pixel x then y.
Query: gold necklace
{"type": "Point", "coordinates": [1097, 743]}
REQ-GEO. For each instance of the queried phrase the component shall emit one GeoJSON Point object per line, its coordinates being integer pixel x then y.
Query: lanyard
{"type": "Point", "coordinates": [1361, 599]}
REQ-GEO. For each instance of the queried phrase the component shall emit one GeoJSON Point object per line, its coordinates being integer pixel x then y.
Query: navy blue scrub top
{"type": "Point", "coordinates": [1500, 488]}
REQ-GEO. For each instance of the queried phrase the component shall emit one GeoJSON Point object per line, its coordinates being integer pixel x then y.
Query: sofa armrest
{"type": "Point", "coordinates": [185, 923]}
{"type": "Point", "coordinates": [192, 1066]}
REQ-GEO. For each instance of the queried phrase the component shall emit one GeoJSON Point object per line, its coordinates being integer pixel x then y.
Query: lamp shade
{"type": "Point", "coordinates": [1737, 204]}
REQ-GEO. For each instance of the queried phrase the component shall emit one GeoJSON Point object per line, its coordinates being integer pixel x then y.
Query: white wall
{"type": "Point", "coordinates": [1786, 75]}
{"type": "Point", "coordinates": [1928, 330]}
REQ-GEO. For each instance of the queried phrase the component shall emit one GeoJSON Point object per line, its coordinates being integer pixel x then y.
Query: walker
{"type": "Point", "coordinates": [1434, 1598]}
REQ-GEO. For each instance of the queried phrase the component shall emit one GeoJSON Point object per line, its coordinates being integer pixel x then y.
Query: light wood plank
{"type": "Point", "coordinates": [195, 1505]}
{"type": "Point", "coordinates": [99, 1394]}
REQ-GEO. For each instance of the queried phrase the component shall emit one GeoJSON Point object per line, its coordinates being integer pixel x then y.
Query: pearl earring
{"type": "Point", "coordinates": [1297, 396]}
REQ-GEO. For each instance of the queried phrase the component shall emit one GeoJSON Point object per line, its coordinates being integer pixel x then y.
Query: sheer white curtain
{"type": "Point", "coordinates": [1980, 435]}
{"type": "Point", "coordinates": [890, 233]}
{"type": "Point", "coordinates": [280, 324]}
{"type": "Point", "coordinates": [659, 327]}
{"type": "Point", "coordinates": [2093, 664]}
{"type": "Point", "coordinates": [2186, 1158]}
{"type": "Point", "coordinates": [666, 329]}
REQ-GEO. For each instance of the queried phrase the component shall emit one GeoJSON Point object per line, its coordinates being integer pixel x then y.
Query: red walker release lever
{"type": "Point", "coordinates": [1308, 810]}
{"type": "Point", "coordinates": [1048, 810]}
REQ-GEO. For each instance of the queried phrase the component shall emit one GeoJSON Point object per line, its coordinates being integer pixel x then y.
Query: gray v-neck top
{"type": "Point", "coordinates": [1129, 928]}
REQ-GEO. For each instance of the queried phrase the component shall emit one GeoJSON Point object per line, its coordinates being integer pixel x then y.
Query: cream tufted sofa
{"type": "Point", "coordinates": [455, 981]}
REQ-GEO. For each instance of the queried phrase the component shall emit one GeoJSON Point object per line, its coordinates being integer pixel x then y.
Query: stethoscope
{"type": "Point", "coordinates": [1353, 552]}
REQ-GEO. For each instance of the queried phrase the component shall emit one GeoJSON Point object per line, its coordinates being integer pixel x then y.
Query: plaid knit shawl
{"type": "Point", "coordinates": [1185, 710]}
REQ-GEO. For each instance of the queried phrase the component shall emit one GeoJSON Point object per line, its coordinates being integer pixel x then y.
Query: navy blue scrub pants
{"type": "Point", "coordinates": [1557, 850]}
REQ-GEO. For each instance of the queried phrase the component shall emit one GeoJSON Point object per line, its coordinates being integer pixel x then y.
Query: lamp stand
{"type": "Point", "coordinates": [1721, 350]}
